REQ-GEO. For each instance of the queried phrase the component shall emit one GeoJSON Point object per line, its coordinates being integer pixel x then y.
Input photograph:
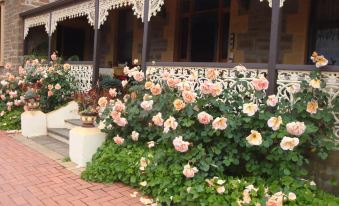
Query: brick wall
{"type": "Point", "coordinates": [13, 27]}
{"type": "Point", "coordinates": [252, 32]}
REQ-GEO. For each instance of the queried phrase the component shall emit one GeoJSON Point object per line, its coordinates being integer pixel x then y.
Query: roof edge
{"type": "Point", "coordinates": [48, 7]}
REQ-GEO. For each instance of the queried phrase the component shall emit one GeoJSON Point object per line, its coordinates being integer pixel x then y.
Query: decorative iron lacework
{"type": "Point", "coordinates": [228, 76]}
{"type": "Point", "coordinates": [83, 74]}
{"type": "Point", "coordinates": [86, 8]}
{"type": "Point", "coordinates": [137, 6]}
{"type": "Point", "coordinates": [270, 2]}
{"type": "Point", "coordinates": [36, 21]}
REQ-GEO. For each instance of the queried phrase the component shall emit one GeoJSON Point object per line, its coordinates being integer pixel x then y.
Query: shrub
{"type": "Point", "coordinates": [194, 134]}
{"type": "Point", "coordinates": [11, 120]}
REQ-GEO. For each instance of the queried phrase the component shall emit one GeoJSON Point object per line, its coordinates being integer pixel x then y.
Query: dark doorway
{"type": "Point", "coordinates": [70, 42]}
{"type": "Point", "coordinates": [125, 37]}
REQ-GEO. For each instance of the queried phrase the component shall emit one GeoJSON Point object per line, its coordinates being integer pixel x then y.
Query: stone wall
{"type": "Point", "coordinates": [13, 27]}
{"type": "Point", "coordinates": [252, 31]}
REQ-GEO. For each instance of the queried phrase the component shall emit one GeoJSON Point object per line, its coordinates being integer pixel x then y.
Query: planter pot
{"type": "Point", "coordinates": [88, 119]}
{"type": "Point", "coordinates": [32, 105]}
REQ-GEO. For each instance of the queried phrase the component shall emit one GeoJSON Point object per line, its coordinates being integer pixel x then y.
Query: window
{"type": "Point", "coordinates": [204, 30]}
{"type": "Point", "coordinates": [324, 25]}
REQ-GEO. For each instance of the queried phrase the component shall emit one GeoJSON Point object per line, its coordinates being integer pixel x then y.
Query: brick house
{"type": "Point", "coordinates": [12, 28]}
{"type": "Point", "coordinates": [184, 35]}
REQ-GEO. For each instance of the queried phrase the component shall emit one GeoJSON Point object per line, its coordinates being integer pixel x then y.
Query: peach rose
{"type": "Point", "coordinates": [170, 123]}
{"type": "Point", "coordinates": [274, 123]}
{"type": "Point", "coordinates": [118, 140]}
{"type": "Point", "coordinates": [50, 87]}
{"type": "Point", "coordinates": [220, 123]}
{"type": "Point", "coordinates": [102, 102]}
{"type": "Point", "coordinates": [115, 115]}
{"type": "Point", "coordinates": [172, 83]}
{"type": "Point", "coordinates": [296, 128]}
{"type": "Point", "coordinates": [134, 95]}
{"type": "Point", "coordinates": [250, 109]}
{"type": "Point", "coordinates": [149, 85]}
{"type": "Point", "coordinates": [288, 143]}
{"type": "Point", "coordinates": [119, 106]}
{"type": "Point", "coordinates": [180, 145]}
{"type": "Point", "coordinates": [113, 92]}
{"type": "Point", "coordinates": [156, 90]}
{"type": "Point", "coordinates": [189, 171]}
{"type": "Point", "coordinates": [272, 100]}
{"type": "Point", "coordinates": [216, 89]}
{"type": "Point", "coordinates": [212, 74]}
{"type": "Point", "coordinates": [204, 118]}
{"type": "Point", "coordinates": [179, 104]}
{"type": "Point", "coordinates": [321, 61]}
{"type": "Point", "coordinates": [157, 120]}
{"type": "Point", "coordinates": [189, 96]}
{"type": "Point", "coordinates": [57, 87]}
{"type": "Point", "coordinates": [50, 93]}
{"type": "Point", "coordinates": [220, 189]}
{"type": "Point", "coordinates": [147, 105]}
{"type": "Point", "coordinates": [166, 75]}
{"type": "Point", "coordinates": [67, 67]}
{"type": "Point", "coordinates": [312, 107]}
{"type": "Point", "coordinates": [254, 138]}
{"type": "Point", "coordinates": [315, 83]}
{"type": "Point", "coordinates": [260, 84]}
{"type": "Point", "coordinates": [143, 163]}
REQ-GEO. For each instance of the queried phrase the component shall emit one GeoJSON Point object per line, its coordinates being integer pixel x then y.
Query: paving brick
{"type": "Point", "coordinates": [32, 179]}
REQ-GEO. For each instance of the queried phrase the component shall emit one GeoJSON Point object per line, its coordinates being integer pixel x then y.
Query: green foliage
{"type": "Point", "coordinates": [107, 82]}
{"type": "Point", "coordinates": [11, 120]}
{"type": "Point", "coordinates": [168, 186]}
{"type": "Point", "coordinates": [233, 153]}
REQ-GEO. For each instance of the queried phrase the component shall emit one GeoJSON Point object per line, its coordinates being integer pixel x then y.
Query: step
{"type": "Point", "coordinates": [61, 134]}
{"type": "Point", "coordinates": [71, 123]}
{"type": "Point", "coordinates": [52, 144]}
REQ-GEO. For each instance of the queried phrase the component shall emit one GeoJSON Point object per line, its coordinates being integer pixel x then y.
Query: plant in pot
{"type": "Point", "coordinates": [32, 100]}
{"type": "Point", "coordinates": [87, 108]}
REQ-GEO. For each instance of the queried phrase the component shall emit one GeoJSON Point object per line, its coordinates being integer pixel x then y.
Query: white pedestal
{"type": "Point", "coordinates": [84, 143]}
{"type": "Point", "coordinates": [33, 123]}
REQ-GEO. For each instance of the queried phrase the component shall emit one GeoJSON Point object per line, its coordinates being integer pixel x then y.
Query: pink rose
{"type": "Point", "coordinates": [3, 97]}
{"type": "Point", "coordinates": [119, 106]}
{"type": "Point", "coordinates": [156, 90]}
{"type": "Point", "coordinates": [296, 128]}
{"type": "Point", "coordinates": [57, 87]}
{"type": "Point", "coordinates": [189, 171]}
{"type": "Point", "coordinates": [260, 84]}
{"type": "Point", "coordinates": [172, 83]}
{"type": "Point", "coordinates": [216, 89]}
{"type": "Point", "coordinates": [272, 100]}
{"type": "Point", "coordinates": [180, 145]}
{"type": "Point", "coordinates": [147, 105]}
{"type": "Point", "coordinates": [50, 87]}
{"type": "Point", "coordinates": [22, 71]}
{"type": "Point", "coordinates": [205, 88]}
{"type": "Point", "coordinates": [204, 118]}
{"type": "Point", "coordinates": [170, 123]}
{"type": "Point", "coordinates": [135, 136]}
{"type": "Point", "coordinates": [118, 140]}
{"type": "Point", "coordinates": [122, 122]}
{"type": "Point", "coordinates": [138, 76]}
{"type": "Point", "coordinates": [212, 74]}
{"type": "Point", "coordinates": [189, 96]}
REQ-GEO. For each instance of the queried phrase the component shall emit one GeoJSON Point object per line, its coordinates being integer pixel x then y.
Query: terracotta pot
{"type": "Point", "coordinates": [88, 119]}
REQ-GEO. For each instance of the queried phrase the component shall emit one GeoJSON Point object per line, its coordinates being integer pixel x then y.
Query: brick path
{"type": "Point", "coordinates": [29, 178]}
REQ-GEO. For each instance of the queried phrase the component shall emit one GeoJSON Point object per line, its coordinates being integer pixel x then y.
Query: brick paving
{"type": "Point", "coordinates": [29, 178]}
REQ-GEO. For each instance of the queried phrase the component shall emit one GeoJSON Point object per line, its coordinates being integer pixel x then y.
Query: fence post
{"type": "Point", "coordinates": [145, 37]}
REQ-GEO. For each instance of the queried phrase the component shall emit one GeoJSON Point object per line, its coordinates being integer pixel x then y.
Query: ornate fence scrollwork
{"type": "Point", "coordinates": [83, 74]}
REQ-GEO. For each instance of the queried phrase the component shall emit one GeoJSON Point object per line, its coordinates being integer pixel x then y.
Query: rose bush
{"type": "Point", "coordinates": [188, 136]}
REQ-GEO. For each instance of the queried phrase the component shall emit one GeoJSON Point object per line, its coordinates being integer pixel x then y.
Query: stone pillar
{"type": "Point", "coordinates": [33, 124]}
{"type": "Point", "coordinates": [84, 143]}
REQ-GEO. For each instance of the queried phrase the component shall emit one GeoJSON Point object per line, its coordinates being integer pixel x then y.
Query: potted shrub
{"type": "Point", "coordinates": [87, 108]}
{"type": "Point", "coordinates": [31, 99]}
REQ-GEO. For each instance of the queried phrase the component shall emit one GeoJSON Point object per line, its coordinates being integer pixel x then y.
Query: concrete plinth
{"type": "Point", "coordinates": [84, 143]}
{"type": "Point", "coordinates": [33, 124]}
